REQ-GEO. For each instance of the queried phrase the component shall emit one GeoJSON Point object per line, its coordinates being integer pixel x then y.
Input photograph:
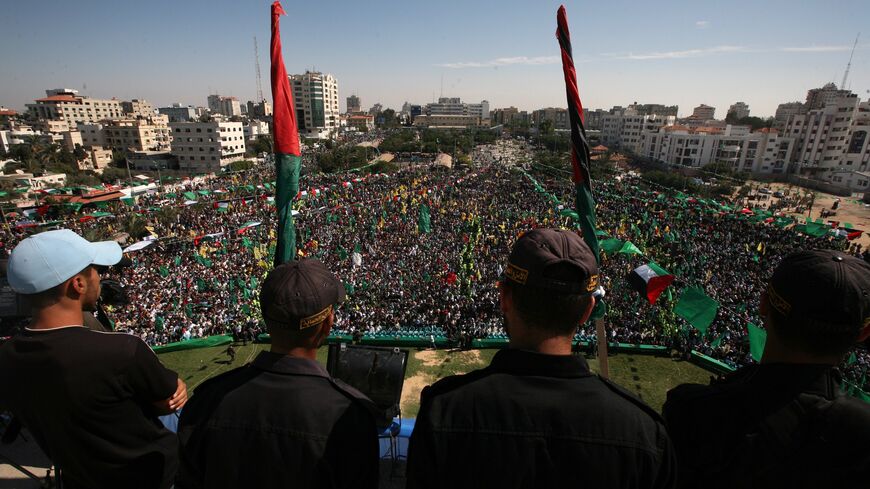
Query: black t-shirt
{"type": "Point", "coordinates": [86, 397]}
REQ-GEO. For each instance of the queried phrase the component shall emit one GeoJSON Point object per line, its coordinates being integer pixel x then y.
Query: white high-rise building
{"type": "Point", "coordinates": [203, 147]}
{"type": "Point", "coordinates": [315, 96]}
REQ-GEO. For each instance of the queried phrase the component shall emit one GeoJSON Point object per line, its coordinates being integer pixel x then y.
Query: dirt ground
{"type": "Point", "coordinates": [851, 209]}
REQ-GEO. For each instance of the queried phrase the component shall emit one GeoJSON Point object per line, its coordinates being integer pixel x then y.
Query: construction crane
{"type": "Point", "coordinates": [260, 97]}
{"type": "Point", "coordinates": [849, 64]}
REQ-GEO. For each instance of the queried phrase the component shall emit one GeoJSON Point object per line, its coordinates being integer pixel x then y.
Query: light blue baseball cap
{"type": "Point", "coordinates": [48, 259]}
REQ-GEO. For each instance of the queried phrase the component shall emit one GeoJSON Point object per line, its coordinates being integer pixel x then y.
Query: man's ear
{"type": "Point", "coordinates": [505, 298]}
{"type": "Point", "coordinates": [77, 285]}
{"type": "Point", "coordinates": [587, 311]}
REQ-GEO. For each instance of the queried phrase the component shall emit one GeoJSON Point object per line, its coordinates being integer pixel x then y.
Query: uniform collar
{"type": "Point", "coordinates": [283, 364]}
{"type": "Point", "coordinates": [526, 362]}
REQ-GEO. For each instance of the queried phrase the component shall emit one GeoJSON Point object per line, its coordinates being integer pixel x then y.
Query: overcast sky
{"type": "Point", "coordinates": [684, 53]}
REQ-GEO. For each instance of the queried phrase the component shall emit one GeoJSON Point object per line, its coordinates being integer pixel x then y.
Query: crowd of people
{"type": "Point", "coordinates": [199, 275]}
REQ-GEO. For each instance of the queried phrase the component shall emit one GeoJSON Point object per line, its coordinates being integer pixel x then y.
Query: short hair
{"type": "Point", "coordinates": [46, 298]}
{"type": "Point", "coordinates": [812, 335]}
{"type": "Point", "coordinates": [286, 336]}
{"type": "Point", "coordinates": [545, 309]}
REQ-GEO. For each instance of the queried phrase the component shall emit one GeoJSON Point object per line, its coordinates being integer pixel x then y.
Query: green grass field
{"type": "Point", "coordinates": [649, 377]}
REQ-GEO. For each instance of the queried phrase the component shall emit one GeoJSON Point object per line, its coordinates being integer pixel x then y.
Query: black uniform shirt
{"type": "Point", "coordinates": [86, 397]}
{"type": "Point", "coordinates": [535, 421]}
{"type": "Point", "coordinates": [769, 426]}
{"type": "Point", "coordinates": [278, 422]}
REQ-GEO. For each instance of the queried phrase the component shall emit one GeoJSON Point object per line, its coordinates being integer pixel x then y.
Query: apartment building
{"type": "Point", "coordinates": [832, 138]}
{"type": "Point", "coordinates": [228, 106]}
{"type": "Point", "coordinates": [204, 147]}
{"type": "Point", "coordinates": [739, 109]}
{"type": "Point", "coordinates": [65, 104]}
{"type": "Point", "coordinates": [556, 116]}
{"type": "Point", "coordinates": [138, 108]}
{"type": "Point", "coordinates": [764, 151]}
{"type": "Point", "coordinates": [315, 97]}
{"type": "Point", "coordinates": [623, 129]}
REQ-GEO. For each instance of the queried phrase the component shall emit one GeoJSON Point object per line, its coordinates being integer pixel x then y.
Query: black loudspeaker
{"type": "Point", "coordinates": [377, 372]}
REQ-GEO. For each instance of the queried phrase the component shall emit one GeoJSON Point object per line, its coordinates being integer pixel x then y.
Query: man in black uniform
{"type": "Point", "coordinates": [90, 399]}
{"type": "Point", "coordinates": [537, 417]}
{"type": "Point", "coordinates": [282, 421]}
{"type": "Point", "coordinates": [785, 422]}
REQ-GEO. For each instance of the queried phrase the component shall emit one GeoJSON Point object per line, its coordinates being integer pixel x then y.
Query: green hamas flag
{"type": "Point", "coordinates": [424, 223]}
{"type": "Point", "coordinates": [128, 200]}
{"type": "Point", "coordinates": [288, 155]}
{"type": "Point", "coordinates": [164, 272]}
{"type": "Point", "coordinates": [757, 339]}
{"type": "Point", "coordinates": [697, 308]}
{"type": "Point", "coordinates": [611, 245]}
{"type": "Point", "coordinates": [630, 249]}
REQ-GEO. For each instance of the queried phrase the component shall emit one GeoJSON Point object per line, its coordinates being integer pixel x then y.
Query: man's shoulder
{"type": "Point", "coordinates": [456, 383]}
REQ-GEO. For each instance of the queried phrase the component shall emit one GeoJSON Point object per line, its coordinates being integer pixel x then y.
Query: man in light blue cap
{"type": "Point", "coordinates": [90, 399]}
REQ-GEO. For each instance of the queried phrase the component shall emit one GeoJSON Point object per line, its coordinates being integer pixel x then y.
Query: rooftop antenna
{"type": "Point", "coordinates": [259, 78]}
{"type": "Point", "coordinates": [442, 86]}
{"type": "Point", "coordinates": [849, 64]}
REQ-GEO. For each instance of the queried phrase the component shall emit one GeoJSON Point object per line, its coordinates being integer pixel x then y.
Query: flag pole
{"type": "Point", "coordinates": [288, 155]}
{"type": "Point", "coordinates": [584, 201]}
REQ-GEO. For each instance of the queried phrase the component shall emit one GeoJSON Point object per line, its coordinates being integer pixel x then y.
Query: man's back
{"type": "Point", "coordinates": [770, 425]}
{"type": "Point", "coordinates": [278, 422]}
{"type": "Point", "coordinates": [533, 420]}
{"type": "Point", "coordinates": [82, 395]}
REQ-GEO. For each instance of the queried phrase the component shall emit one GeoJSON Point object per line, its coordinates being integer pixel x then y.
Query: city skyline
{"type": "Point", "coordinates": [690, 54]}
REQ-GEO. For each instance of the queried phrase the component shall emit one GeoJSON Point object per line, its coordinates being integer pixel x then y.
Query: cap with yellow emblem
{"type": "Point", "coordinates": [536, 254]}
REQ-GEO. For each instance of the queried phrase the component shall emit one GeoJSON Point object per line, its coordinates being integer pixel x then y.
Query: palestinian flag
{"type": "Point", "coordinates": [247, 226]}
{"type": "Point", "coordinates": [650, 280]}
{"type": "Point", "coordinates": [222, 206]}
{"type": "Point", "coordinates": [584, 203]}
{"type": "Point", "coordinates": [206, 237]}
{"type": "Point", "coordinates": [288, 157]}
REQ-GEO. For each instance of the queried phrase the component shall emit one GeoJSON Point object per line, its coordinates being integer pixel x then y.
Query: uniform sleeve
{"type": "Point", "coordinates": [420, 472]}
{"type": "Point", "coordinates": [148, 378]}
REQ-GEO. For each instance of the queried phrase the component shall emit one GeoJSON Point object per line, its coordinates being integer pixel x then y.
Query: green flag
{"type": "Point", "coordinates": [190, 195]}
{"type": "Point", "coordinates": [128, 200]}
{"type": "Point", "coordinates": [757, 339]}
{"type": "Point", "coordinates": [177, 261]}
{"type": "Point", "coordinates": [158, 323]}
{"type": "Point", "coordinates": [611, 245]}
{"type": "Point", "coordinates": [697, 308]}
{"type": "Point", "coordinates": [424, 224]}
{"type": "Point", "coordinates": [164, 272]}
{"type": "Point", "coordinates": [630, 249]}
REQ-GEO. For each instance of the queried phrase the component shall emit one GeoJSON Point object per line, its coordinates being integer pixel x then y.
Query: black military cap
{"type": "Point", "coordinates": [536, 253]}
{"type": "Point", "coordinates": [300, 294]}
{"type": "Point", "coordinates": [822, 285]}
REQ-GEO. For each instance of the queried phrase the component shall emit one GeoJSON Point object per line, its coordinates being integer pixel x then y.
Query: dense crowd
{"type": "Point", "coordinates": [200, 274]}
